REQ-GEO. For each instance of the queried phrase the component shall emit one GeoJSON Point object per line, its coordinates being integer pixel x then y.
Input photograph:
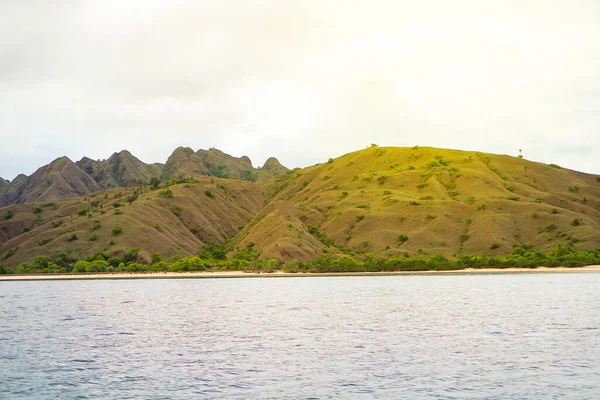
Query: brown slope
{"type": "Point", "coordinates": [181, 225]}
{"type": "Point", "coordinates": [183, 163]}
{"type": "Point", "coordinates": [445, 201]}
{"type": "Point", "coordinates": [4, 186]}
{"type": "Point", "coordinates": [61, 179]}
{"type": "Point", "coordinates": [120, 169]}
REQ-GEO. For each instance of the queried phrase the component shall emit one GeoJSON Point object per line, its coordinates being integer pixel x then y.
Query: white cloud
{"type": "Point", "coordinates": [300, 80]}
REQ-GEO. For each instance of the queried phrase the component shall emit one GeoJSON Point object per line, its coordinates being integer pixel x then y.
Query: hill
{"type": "Point", "coordinates": [423, 201]}
{"type": "Point", "coordinates": [63, 179]}
{"type": "Point", "coordinates": [184, 162]}
{"type": "Point", "coordinates": [382, 202]}
{"type": "Point", "coordinates": [120, 169]}
{"type": "Point", "coordinates": [179, 220]}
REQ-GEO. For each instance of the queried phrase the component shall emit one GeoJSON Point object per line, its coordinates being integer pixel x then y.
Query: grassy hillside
{"type": "Point", "coordinates": [386, 202]}
{"type": "Point", "coordinates": [422, 201]}
{"type": "Point", "coordinates": [177, 220]}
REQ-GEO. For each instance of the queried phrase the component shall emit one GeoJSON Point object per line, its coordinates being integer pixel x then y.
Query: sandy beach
{"type": "Point", "coordinates": [280, 274]}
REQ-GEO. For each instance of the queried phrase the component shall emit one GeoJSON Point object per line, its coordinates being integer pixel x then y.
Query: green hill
{"type": "Point", "coordinates": [379, 201]}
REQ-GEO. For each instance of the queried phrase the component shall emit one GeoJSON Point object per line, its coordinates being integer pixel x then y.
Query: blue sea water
{"type": "Point", "coordinates": [402, 337]}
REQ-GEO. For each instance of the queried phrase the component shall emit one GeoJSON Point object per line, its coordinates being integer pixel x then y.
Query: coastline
{"type": "Point", "coordinates": [280, 274]}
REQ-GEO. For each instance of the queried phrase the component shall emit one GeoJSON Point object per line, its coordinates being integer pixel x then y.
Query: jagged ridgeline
{"type": "Point", "coordinates": [64, 179]}
{"type": "Point", "coordinates": [383, 202]}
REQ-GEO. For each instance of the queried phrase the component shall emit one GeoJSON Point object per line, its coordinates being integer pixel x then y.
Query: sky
{"type": "Point", "coordinates": [298, 80]}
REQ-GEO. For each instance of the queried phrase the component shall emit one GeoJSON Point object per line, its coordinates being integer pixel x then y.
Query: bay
{"type": "Point", "coordinates": [444, 337]}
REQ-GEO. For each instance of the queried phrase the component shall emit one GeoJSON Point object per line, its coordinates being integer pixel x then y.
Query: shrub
{"type": "Point", "coordinates": [576, 222]}
{"type": "Point", "coordinates": [8, 215]}
{"type": "Point", "coordinates": [464, 237]}
{"type": "Point", "coordinates": [166, 193]}
{"type": "Point", "coordinates": [45, 241]}
{"type": "Point", "coordinates": [2, 270]}
{"type": "Point", "coordinates": [117, 230]}
{"type": "Point", "coordinates": [154, 182]}
{"type": "Point", "coordinates": [413, 203]}
{"type": "Point", "coordinates": [83, 212]}
{"type": "Point", "coordinates": [71, 237]}
{"type": "Point", "coordinates": [118, 211]}
{"type": "Point", "coordinates": [494, 245]}
{"type": "Point", "coordinates": [208, 193]}
{"type": "Point", "coordinates": [56, 224]}
{"type": "Point", "coordinates": [155, 258]}
{"type": "Point", "coordinates": [92, 238]}
{"type": "Point", "coordinates": [402, 238]}
{"type": "Point", "coordinates": [514, 198]}
{"type": "Point", "coordinates": [365, 206]}
{"type": "Point", "coordinates": [116, 204]}
{"type": "Point", "coordinates": [554, 211]}
{"type": "Point", "coordinates": [330, 161]}
{"type": "Point", "coordinates": [550, 227]}
{"type": "Point", "coordinates": [25, 229]}
{"type": "Point", "coordinates": [131, 255]}
{"type": "Point", "coordinates": [36, 210]}
{"type": "Point", "coordinates": [574, 189]}
{"type": "Point", "coordinates": [95, 226]}
{"type": "Point", "coordinates": [382, 179]}
{"type": "Point", "coordinates": [177, 211]}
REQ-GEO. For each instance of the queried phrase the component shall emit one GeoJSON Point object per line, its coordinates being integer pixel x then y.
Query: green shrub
{"type": "Point", "coordinates": [92, 238]}
{"type": "Point", "coordinates": [83, 212]}
{"type": "Point", "coordinates": [25, 229]}
{"type": "Point", "coordinates": [166, 193]}
{"type": "Point", "coordinates": [494, 246]}
{"type": "Point", "coordinates": [402, 238]}
{"type": "Point", "coordinates": [131, 255]}
{"type": "Point", "coordinates": [8, 215]}
{"type": "Point", "coordinates": [117, 230]}
{"type": "Point", "coordinates": [574, 189]}
{"type": "Point", "coordinates": [576, 222]}
{"type": "Point", "coordinates": [3, 271]}
{"type": "Point", "coordinates": [118, 211]}
{"type": "Point", "coordinates": [36, 210]}
{"type": "Point", "coordinates": [554, 211]}
{"type": "Point", "coordinates": [177, 211]}
{"type": "Point", "coordinates": [550, 227]}
{"type": "Point", "coordinates": [45, 241]}
{"type": "Point", "coordinates": [71, 237]}
{"type": "Point", "coordinates": [382, 179]}
{"type": "Point", "coordinates": [155, 258]}
{"type": "Point", "coordinates": [208, 193]}
{"type": "Point", "coordinates": [95, 226]}
{"type": "Point", "coordinates": [413, 203]}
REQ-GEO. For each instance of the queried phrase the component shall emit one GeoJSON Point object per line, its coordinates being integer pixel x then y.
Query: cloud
{"type": "Point", "coordinates": [301, 81]}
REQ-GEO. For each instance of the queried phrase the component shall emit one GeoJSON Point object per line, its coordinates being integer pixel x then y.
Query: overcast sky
{"type": "Point", "coordinates": [299, 80]}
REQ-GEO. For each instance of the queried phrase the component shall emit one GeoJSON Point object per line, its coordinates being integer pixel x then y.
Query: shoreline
{"type": "Point", "coordinates": [280, 274]}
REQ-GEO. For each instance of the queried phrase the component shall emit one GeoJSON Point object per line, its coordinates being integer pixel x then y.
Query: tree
{"type": "Point", "coordinates": [154, 182]}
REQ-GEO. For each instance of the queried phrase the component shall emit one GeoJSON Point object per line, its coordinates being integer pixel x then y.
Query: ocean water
{"type": "Point", "coordinates": [402, 337]}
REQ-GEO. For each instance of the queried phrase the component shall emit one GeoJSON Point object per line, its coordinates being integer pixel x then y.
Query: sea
{"type": "Point", "coordinates": [501, 336]}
